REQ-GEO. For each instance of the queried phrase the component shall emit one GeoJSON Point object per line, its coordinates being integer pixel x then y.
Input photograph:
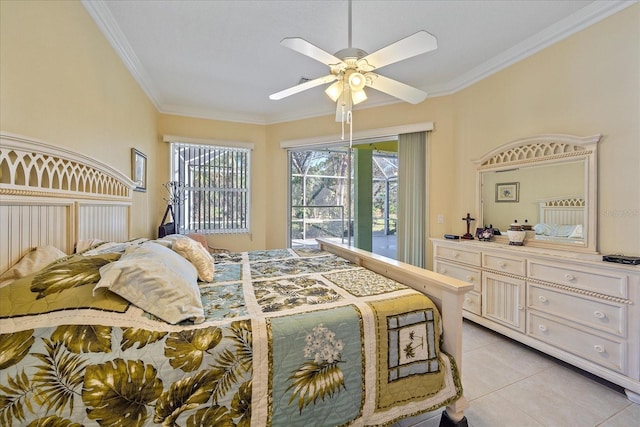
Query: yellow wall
{"type": "Point", "coordinates": [261, 199]}
{"type": "Point", "coordinates": [62, 82]}
{"type": "Point", "coordinates": [585, 85]}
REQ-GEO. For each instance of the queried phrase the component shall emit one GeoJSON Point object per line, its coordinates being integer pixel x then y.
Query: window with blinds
{"type": "Point", "coordinates": [214, 181]}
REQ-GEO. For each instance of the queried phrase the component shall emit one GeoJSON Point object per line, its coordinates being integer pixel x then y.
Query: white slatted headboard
{"type": "Point", "coordinates": [562, 211]}
{"type": "Point", "coordinates": [53, 196]}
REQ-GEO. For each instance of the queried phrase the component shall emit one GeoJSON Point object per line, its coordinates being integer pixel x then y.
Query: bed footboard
{"type": "Point", "coordinates": [446, 292]}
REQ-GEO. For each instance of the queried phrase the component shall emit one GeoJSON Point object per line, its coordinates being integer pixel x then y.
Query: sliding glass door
{"type": "Point", "coordinates": [318, 196]}
{"type": "Point", "coordinates": [320, 192]}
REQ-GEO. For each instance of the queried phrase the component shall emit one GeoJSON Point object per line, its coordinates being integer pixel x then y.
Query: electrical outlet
{"type": "Point", "coordinates": [440, 219]}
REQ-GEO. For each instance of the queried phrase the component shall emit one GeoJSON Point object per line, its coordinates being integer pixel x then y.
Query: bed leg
{"type": "Point", "coordinates": [447, 421]}
{"type": "Point", "coordinates": [453, 415]}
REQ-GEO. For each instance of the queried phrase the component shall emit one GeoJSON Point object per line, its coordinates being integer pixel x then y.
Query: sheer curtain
{"type": "Point", "coordinates": [412, 198]}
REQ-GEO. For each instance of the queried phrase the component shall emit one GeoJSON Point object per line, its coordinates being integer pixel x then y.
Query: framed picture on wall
{"type": "Point", "coordinates": [507, 192]}
{"type": "Point", "coordinates": [139, 170]}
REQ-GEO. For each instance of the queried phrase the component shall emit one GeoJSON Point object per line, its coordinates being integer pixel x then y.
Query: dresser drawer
{"type": "Point", "coordinates": [472, 303]}
{"type": "Point", "coordinates": [592, 347]}
{"type": "Point", "coordinates": [465, 255]}
{"type": "Point", "coordinates": [461, 273]}
{"type": "Point", "coordinates": [504, 264]}
{"type": "Point", "coordinates": [603, 315]}
{"type": "Point", "coordinates": [582, 278]}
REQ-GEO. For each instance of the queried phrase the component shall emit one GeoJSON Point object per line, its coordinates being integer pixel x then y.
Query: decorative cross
{"type": "Point", "coordinates": [468, 219]}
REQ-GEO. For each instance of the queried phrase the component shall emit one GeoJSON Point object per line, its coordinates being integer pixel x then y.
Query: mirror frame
{"type": "Point", "coordinates": [549, 149]}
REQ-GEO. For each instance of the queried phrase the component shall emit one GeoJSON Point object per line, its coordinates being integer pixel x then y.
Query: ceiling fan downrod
{"type": "Point", "coordinates": [350, 51]}
{"type": "Point", "coordinates": [349, 25]}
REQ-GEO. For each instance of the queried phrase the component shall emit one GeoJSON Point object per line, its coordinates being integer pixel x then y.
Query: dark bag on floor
{"type": "Point", "coordinates": [169, 227]}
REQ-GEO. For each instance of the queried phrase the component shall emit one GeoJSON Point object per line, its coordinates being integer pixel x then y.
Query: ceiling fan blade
{"type": "Point", "coordinates": [302, 87]}
{"type": "Point", "coordinates": [304, 47]}
{"type": "Point", "coordinates": [395, 88]}
{"type": "Point", "coordinates": [416, 44]}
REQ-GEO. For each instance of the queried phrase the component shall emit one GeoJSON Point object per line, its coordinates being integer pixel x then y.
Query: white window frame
{"type": "Point", "coordinates": [211, 145]}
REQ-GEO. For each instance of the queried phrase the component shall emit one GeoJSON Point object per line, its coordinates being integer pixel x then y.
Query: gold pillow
{"type": "Point", "coordinates": [197, 255]}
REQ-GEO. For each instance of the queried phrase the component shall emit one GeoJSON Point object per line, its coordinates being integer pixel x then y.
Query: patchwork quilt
{"type": "Point", "coordinates": [290, 338]}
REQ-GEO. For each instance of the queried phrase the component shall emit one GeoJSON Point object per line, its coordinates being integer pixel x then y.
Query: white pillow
{"type": "Point", "coordinates": [32, 262]}
{"type": "Point", "coordinates": [544, 229]}
{"type": "Point", "coordinates": [194, 252]}
{"type": "Point", "coordinates": [564, 230]}
{"type": "Point", "coordinates": [577, 232]}
{"type": "Point", "coordinates": [157, 280]}
{"type": "Point", "coordinates": [85, 244]}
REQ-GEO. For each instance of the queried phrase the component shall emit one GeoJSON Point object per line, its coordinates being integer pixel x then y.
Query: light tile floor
{"type": "Point", "coordinates": [509, 384]}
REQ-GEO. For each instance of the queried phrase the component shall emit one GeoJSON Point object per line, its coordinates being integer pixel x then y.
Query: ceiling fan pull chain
{"type": "Point", "coordinates": [342, 121]}
{"type": "Point", "coordinates": [350, 122]}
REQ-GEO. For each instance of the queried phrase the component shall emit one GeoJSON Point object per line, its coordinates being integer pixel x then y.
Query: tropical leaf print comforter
{"type": "Point", "coordinates": [290, 339]}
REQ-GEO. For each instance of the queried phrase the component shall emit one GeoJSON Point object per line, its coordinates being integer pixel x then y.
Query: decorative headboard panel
{"type": "Point", "coordinates": [562, 211]}
{"type": "Point", "coordinates": [53, 196]}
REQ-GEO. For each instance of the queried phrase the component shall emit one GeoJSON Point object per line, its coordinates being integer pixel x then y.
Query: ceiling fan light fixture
{"type": "Point", "coordinates": [358, 96]}
{"type": "Point", "coordinates": [357, 81]}
{"type": "Point", "coordinates": [334, 91]}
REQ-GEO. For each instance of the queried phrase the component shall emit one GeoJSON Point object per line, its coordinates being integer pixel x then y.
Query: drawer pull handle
{"type": "Point", "coordinates": [467, 300]}
{"type": "Point", "coordinates": [599, 314]}
{"type": "Point", "coordinates": [542, 299]}
{"type": "Point", "coordinates": [520, 307]}
{"type": "Point", "coordinates": [502, 264]}
{"type": "Point", "coordinates": [598, 348]}
{"type": "Point", "coordinates": [469, 278]}
{"type": "Point", "coordinates": [455, 254]}
{"type": "Point", "coordinates": [569, 277]}
{"type": "Point", "coordinates": [443, 270]}
{"type": "Point", "coordinates": [542, 328]}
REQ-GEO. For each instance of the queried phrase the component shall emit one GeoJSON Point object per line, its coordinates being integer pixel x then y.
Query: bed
{"type": "Point", "coordinates": [327, 336]}
{"type": "Point", "coordinates": [561, 218]}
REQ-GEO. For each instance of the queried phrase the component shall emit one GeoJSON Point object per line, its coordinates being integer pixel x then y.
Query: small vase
{"type": "Point", "coordinates": [516, 234]}
{"type": "Point", "coordinates": [529, 232]}
{"type": "Point", "coordinates": [516, 238]}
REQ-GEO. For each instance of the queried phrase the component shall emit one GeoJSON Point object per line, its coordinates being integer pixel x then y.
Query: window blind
{"type": "Point", "coordinates": [215, 183]}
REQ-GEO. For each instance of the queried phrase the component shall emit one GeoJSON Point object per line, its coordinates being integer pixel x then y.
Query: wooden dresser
{"type": "Point", "coordinates": [572, 306]}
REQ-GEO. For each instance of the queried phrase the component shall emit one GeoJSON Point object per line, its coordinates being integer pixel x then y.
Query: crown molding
{"type": "Point", "coordinates": [105, 21]}
{"type": "Point", "coordinates": [209, 114]}
{"type": "Point", "coordinates": [585, 17]}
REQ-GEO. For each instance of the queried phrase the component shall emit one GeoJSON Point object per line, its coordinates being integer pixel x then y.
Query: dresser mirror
{"type": "Point", "coordinates": [547, 182]}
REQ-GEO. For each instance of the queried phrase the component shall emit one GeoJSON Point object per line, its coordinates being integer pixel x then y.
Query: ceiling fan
{"type": "Point", "coordinates": [351, 70]}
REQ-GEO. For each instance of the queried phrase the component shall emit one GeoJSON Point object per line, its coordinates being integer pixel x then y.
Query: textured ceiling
{"type": "Point", "coordinates": [222, 59]}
